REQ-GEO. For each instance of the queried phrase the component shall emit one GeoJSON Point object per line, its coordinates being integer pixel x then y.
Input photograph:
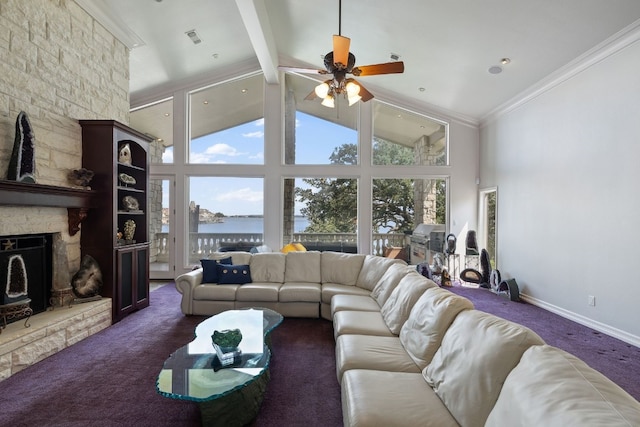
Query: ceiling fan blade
{"type": "Point", "coordinates": [385, 68]}
{"type": "Point", "coordinates": [302, 70]}
{"type": "Point", "coordinates": [364, 93]}
{"type": "Point", "coordinates": [341, 50]}
{"type": "Point", "coordinates": [311, 96]}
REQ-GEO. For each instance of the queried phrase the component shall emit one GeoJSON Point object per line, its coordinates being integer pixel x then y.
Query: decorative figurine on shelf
{"type": "Point", "coordinates": [129, 230]}
{"type": "Point", "coordinates": [81, 177]}
{"type": "Point", "coordinates": [22, 166]}
{"type": "Point", "coordinates": [124, 155]}
{"type": "Point", "coordinates": [127, 179]}
{"type": "Point", "coordinates": [131, 204]}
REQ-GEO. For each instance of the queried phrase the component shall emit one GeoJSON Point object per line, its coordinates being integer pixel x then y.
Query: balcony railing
{"type": "Point", "coordinates": [201, 245]}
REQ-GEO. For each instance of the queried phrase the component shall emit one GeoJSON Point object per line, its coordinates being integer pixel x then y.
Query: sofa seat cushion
{"type": "Point", "coordinates": [389, 281]}
{"type": "Point", "coordinates": [396, 309]}
{"type": "Point", "coordinates": [360, 323]}
{"type": "Point", "coordinates": [331, 289]}
{"type": "Point", "coordinates": [215, 292]}
{"type": "Point", "coordinates": [268, 267]}
{"type": "Point", "coordinates": [299, 292]}
{"type": "Point", "coordinates": [257, 291]}
{"type": "Point", "coordinates": [303, 267]}
{"type": "Point", "coordinates": [373, 267]}
{"type": "Point", "coordinates": [477, 353]}
{"type": "Point", "coordinates": [573, 394]}
{"type": "Point", "coordinates": [371, 352]}
{"type": "Point", "coordinates": [341, 268]}
{"type": "Point", "coordinates": [428, 321]}
{"type": "Point", "coordinates": [382, 398]}
{"type": "Point", "coordinates": [353, 303]}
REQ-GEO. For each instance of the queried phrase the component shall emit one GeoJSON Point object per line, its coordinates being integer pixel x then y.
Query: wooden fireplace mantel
{"type": "Point", "coordinates": [76, 200]}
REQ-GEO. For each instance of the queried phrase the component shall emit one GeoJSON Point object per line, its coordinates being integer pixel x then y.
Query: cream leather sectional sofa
{"type": "Point", "coordinates": [409, 353]}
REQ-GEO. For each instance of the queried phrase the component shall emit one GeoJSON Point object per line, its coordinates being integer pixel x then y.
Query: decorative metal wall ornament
{"type": "Point", "coordinates": [22, 166]}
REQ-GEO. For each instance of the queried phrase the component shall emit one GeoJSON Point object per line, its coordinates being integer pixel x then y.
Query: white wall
{"type": "Point", "coordinates": [566, 164]}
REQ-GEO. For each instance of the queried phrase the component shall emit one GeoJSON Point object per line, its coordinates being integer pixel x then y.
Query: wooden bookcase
{"type": "Point", "coordinates": [124, 262]}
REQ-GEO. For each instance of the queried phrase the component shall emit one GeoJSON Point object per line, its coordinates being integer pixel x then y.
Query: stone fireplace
{"type": "Point", "coordinates": [53, 213]}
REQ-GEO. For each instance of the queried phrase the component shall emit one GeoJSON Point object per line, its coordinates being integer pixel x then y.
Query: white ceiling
{"type": "Point", "coordinates": [447, 46]}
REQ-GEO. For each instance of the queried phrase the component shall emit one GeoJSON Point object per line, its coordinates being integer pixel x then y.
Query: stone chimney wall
{"type": "Point", "coordinates": [58, 65]}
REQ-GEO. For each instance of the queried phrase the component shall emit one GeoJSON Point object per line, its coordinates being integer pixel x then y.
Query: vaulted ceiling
{"type": "Point", "coordinates": [448, 47]}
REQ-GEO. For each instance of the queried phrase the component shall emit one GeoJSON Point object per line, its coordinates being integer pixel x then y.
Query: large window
{"type": "Point", "coordinates": [409, 136]}
{"type": "Point", "coordinates": [223, 211]}
{"type": "Point", "coordinates": [315, 134]}
{"type": "Point", "coordinates": [156, 120]}
{"type": "Point", "coordinates": [227, 124]}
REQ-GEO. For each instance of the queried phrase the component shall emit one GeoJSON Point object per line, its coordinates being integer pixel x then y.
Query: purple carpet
{"type": "Point", "coordinates": [109, 378]}
{"type": "Point", "coordinates": [616, 359]}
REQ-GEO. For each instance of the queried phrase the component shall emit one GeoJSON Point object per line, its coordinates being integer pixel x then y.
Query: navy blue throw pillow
{"type": "Point", "coordinates": [209, 271]}
{"type": "Point", "coordinates": [233, 274]}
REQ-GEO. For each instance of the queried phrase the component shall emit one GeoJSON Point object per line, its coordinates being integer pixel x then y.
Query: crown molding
{"type": "Point", "coordinates": [619, 41]}
{"type": "Point", "coordinates": [103, 14]}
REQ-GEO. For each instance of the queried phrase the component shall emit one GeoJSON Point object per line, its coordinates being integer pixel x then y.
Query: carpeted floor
{"type": "Point", "coordinates": [616, 359]}
{"type": "Point", "coordinates": [109, 378]}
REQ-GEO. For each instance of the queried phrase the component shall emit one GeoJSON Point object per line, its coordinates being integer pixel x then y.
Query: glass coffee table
{"type": "Point", "coordinates": [228, 395]}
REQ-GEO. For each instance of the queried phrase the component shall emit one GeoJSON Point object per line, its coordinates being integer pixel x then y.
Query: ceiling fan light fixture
{"type": "Point", "coordinates": [329, 101]}
{"type": "Point", "coordinates": [322, 90]}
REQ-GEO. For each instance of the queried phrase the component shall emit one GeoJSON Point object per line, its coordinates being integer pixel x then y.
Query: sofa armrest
{"type": "Point", "coordinates": [185, 283]}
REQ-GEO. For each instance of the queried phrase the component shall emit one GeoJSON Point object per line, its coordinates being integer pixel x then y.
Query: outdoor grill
{"type": "Point", "coordinates": [426, 240]}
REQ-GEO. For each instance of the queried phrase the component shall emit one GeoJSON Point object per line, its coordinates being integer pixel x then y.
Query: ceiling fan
{"type": "Point", "coordinates": [339, 63]}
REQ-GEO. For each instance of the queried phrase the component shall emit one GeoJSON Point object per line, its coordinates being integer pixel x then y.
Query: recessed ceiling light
{"type": "Point", "coordinates": [160, 140]}
{"type": "Point", "coordinates": [205, 102]}
{"type": "Point", "coordinates": [421, 89]}
{"type": "Point", "coordinates": [215, 56]}
{"type": "Point", "coordinates": [505, 61]}
{"type": "Point", "coordinates": [167, 114]}
{"type": "Point", "coordinates": [244, 90]}
{"type": "Point", "coordinates": [495, 69]}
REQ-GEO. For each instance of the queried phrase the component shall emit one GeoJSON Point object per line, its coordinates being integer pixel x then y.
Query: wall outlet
{"type": "Point", "coordinates": [592, 301]}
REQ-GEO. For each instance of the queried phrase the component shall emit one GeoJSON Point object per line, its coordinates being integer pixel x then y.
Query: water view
{"type": "Point", "coordinates": [243, 225]}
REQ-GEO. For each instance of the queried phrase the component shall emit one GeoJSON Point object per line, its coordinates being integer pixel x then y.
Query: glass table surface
{"type": "Point", "coordinates": [194, 372]}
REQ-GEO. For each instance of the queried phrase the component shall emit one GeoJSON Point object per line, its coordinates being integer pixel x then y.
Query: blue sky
{"type": "Point", "coordinates": [244, 144]}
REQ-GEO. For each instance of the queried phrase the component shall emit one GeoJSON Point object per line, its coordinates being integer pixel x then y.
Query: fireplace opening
{"type": "Point", "coordinates": [26, 270]}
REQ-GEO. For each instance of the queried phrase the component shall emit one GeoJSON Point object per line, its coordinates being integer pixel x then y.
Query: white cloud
{"type": "Point", "coordinates": [167, 156]}
{"type": "Point", "coordinates": [259, 122]}
{"type": "Point", "coordinates": [222, 150]}
{"type": "Point", "coordinates": [242, 194]}
{"type": "Point", "coordinates": [258, 134]}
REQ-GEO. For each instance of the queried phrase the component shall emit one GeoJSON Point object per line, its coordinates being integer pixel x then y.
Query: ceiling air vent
{"type": "Point", "coordinates": [194, 36]}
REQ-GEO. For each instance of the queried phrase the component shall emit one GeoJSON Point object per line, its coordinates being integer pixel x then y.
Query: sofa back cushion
{"type": "Point", "coordinates": [566, 392]}
{"type": "Point", "coordinates": [477, 353]}
{"type": "Point", "coordinates": [268, 267]}
{"type": "Point", "coordinates": [341, 268]}
{"type": "Point", "coordinates": [303, 267]}
{"type": "Point", "coordinates": [373, 267]}
{"type": "Point", "coordinates": [428, 321]}
{"type": "Point", "coordinates": [389, 281]}
{"type": "Point", "coordinates": [237, 257]}
{"type": "Point", "coordinates": [396, 309]}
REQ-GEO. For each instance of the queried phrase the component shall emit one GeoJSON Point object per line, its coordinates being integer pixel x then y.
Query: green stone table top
{"type": "Point", "coordinates": [194, 373]}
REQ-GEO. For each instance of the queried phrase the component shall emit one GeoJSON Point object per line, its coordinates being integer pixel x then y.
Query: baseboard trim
{"type": "Point", "coordinates": [585, 321]}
